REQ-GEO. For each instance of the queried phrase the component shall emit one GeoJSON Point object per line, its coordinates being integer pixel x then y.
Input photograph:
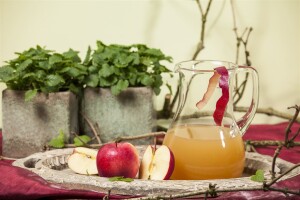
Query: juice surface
{"type": "Point", "coordinates": [205, 152]}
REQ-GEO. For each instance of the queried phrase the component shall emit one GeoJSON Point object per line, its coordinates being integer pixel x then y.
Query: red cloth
{"type": "Point", "coordinates": [17, 183]}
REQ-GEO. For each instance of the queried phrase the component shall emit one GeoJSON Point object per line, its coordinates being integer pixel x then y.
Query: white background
{"type": "Point", "coordinates": [171, 25]}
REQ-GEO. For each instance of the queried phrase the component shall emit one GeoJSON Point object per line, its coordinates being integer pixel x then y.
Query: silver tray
{"type": "Point", "coordinates": [52, 166]}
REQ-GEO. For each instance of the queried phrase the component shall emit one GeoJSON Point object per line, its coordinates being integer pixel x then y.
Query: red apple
{"type": "Point", "coordinates": [157, 164]}
{"type": "Point", "coordinates": [118, 159]}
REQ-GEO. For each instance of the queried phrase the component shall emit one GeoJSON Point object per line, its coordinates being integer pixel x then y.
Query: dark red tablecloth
{"type": "Point", "coordinates": [17, 183]}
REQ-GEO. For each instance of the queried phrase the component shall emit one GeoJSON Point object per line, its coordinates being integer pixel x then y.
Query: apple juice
{"type": "Point", "coordinates": [205, 152]}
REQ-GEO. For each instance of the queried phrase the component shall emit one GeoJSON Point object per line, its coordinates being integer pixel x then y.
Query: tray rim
{"type": "Point", "coordinates": [101, 184]}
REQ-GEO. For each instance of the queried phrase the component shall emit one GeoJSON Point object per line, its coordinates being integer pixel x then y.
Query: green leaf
{"type": "Point", "coordinates": [55, 59]}
{"type": "Point", "coordinates": [30, 74]}
{"type": "Point", "coordinates": [259, 176]}
{"type": "Point", "coordinates": [169, 88]}
{"type": "Point", "coordinates": [120, 178]}
{"type": "Point", "coordinates": [6, 73]}
{"type": "Point", "coordinates": [154, 52]}
{"type": "Point", "coordinates": [72, 55]}
{"type": "Point", "coordinates": [81, 67]}
{"type": "Point", "coordinates": [44, 65]}
{"type": "Point", "coordinates": [81, 140]}
{"type": "Point", "coordinates": [24, 65]}
{"type": "Point", "coordinates": [40, 75]}
{"type": "Point", "coordinates": [59, 141]}
{"type": "Point", "coordinates": [73, 72]}
{"type": "Point", "coordinates": [108, 82]}
{"type": "Point", "coordinates": [120, 86]}
{"type": "Point", "coordinates": [30, 94]}
{"type": "Point", "coordinates": [54, 80]}
{"type": "Point", "coordinates": [106, 70]}
{"type": "Point", "coordinates": [73, 88]}
{"type": "Point", "coordinates": [156, 90]}
{"type": "Point", "coordinates": [147, 80]}
{"type": "Point", "coordinates": [92, 69]}
{"type": "Point", "coordinates": [88, 56]}
{"type": "Point", "coordinates": [92, 80]}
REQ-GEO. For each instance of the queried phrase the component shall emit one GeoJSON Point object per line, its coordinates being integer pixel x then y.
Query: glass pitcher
{"type": "Point", "coordinates": [204, 136]}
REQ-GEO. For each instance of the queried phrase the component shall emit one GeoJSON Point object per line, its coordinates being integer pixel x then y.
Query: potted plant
{"type": "Point", "coordinates": [40, 99]}
{"type": "Point", "coordinates": [120, 84]}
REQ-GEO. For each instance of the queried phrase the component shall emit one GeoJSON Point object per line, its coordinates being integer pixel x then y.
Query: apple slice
{"type": "Point", "coordinates": [157, 164]}
{"type": "Point", "coordinates": [83, 161]}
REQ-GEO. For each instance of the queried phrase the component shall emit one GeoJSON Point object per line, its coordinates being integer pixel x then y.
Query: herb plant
{"type": "Point", "coordinates": [119, 66]}
{"type": "Point", "coordinates": [42, 70]}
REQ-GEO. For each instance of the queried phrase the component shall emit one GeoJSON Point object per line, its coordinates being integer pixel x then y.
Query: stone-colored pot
{"type": "Point", "coordinates": [128, 114]}
{"type": "Point", "coordinates": [28, 126]}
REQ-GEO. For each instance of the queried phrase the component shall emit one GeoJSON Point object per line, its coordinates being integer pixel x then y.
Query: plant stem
{"type": "Point", "coordinates": [92, 127]}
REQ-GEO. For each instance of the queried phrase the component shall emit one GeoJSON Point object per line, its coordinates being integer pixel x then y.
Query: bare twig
{"type": "Point", "coordinates": [269, 112]}
{"type": "Point", "coordinates": [282, 175]}
{"type": "Point", "coordinates": [276, 154]}
{"type": "Point", "coordinates": [260, 143]}
{"type": "Point", "coordinates": [288, 129]}
{"type": "Point", "coordinates": [239, 91]}
{"type": "Point", "coordinates": [200, 45]}
{"type": "Point", "coordinates": [287, 143]}
{"type": "Point", "coordinates": [120, 139]}
{"type": "Point", "coordinates": [7, 158]}
{"type": "Point", "coordinates": [294, 137]}
{"type": "Point", "coordinates": [128, 138]}
{"type": "Point", "coordinates": [92, 127]}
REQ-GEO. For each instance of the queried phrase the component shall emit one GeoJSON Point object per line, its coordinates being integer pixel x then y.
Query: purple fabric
{"type": "Point", "coordinates": [17, 183]}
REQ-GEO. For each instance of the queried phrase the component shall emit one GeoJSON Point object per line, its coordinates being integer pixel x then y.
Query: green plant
{"type": "Point", "coordinates": [118, 67]}
{"type": "Point", "coordinates": [41, 70]}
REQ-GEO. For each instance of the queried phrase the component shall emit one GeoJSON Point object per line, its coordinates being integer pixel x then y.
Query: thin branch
{"type": "Point", "coordinates": [83, 142]}
{"type": "Point", "coordinates": [276, 154]}
{"type": "Point", "coordinates": [136, 137]}
{"type": "Point", "coordinates": [92, 127]}
{"type": "Point", "coordinates": [294, 137]}
{"type": "Point", "coordinates": [265, 143]}
{"type": "Point", "coordinates": [195, 193]}
{"type": "Point", "coordinates": [240, 39]}
{"type": "Point", "coordinates": [200, 45]}
{"type": "Point", "coordinates": [288, 129]}
{"type": "Point", "coordinates": [7, 158]}
{"type": "Point", "coordinates": [282, 175]}
{"type": "Point", "coordinates": [269, 112]}
{"type": "Point", "coordinates": [120, 139]}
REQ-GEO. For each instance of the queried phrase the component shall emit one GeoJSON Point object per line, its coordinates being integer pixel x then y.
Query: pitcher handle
{"type": "Point", "coordinates": [244, 122]}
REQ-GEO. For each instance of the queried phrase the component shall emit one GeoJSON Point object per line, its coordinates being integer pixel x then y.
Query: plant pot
{"type": "Point", "coordinates": [28, 126]}
{"type": "Point", "coordinates": [127, 114]}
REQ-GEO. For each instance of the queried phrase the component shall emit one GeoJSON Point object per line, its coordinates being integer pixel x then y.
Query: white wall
{"type": "Point", "coordinates": [171, 25]}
